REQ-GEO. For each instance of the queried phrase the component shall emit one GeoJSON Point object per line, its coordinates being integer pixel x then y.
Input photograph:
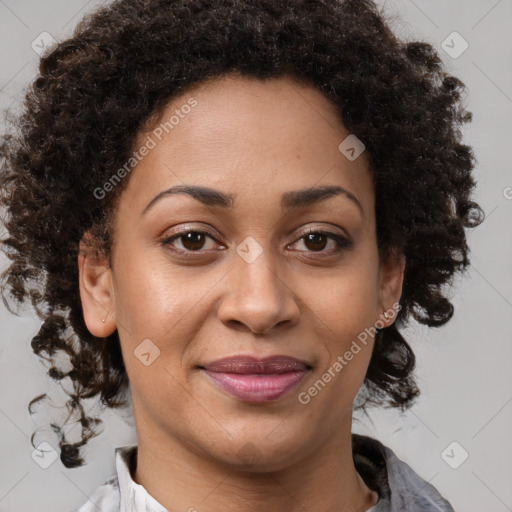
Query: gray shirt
{"type": "Point", "coordinates": [399, 488]}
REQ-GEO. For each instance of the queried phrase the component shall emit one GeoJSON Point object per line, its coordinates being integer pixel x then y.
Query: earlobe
{"type": "Point", "coordinates": [391, 276]}
{"type": "Point", "coordinates": [96, 290]}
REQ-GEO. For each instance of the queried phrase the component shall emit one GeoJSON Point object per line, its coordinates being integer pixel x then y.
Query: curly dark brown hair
{"type": "Point", "coordinates": [125, 61]}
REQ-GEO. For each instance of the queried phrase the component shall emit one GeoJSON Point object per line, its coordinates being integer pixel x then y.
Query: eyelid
{"type": "Point", "coordinates": [324, 230]}
{"type": "Point", "coordinates": [186, 228]}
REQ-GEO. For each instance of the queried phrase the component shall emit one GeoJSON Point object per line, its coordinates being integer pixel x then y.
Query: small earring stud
{"type": "Point", "coordinates": [104, 319]}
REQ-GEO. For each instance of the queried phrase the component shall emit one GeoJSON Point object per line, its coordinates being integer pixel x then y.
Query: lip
{"type": "Point", "coordinates": [243, 364]}
{"type": "Point", "coordinates": [256, 380]}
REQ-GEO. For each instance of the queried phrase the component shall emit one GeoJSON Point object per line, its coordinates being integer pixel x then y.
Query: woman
{"type": "Point", "coordinates": [229, 209]}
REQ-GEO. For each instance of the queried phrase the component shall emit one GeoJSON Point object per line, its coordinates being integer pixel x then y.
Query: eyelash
{"type": "Point", "coordinates": [341, 241]}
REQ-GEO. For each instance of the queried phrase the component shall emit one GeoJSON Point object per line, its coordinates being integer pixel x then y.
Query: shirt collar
{"type": "Point", "coordinates": [398, 486]}
{"type": "Point", "coordinates": [133, 496]}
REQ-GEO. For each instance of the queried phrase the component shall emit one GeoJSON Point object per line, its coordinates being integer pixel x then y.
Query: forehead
{"type": "Point", "coordinates": [248, 136]}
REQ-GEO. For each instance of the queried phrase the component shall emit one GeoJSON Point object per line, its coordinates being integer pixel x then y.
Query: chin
{"type": "Point", "coordinates": [261, 452]}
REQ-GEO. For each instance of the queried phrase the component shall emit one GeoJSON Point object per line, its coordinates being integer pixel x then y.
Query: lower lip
{"type": "Point", "coordinates": [257, 387]}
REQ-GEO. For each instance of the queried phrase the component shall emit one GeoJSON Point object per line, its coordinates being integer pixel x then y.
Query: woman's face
{"type": "Point", "coordinates": [247, 280]}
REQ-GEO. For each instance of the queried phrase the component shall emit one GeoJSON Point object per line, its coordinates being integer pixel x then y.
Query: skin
{"type": "Point", "coordinates": [256, 140]}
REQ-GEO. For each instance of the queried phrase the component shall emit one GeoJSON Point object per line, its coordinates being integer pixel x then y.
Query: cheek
{"type": "Point", "coordinates": [157, 320]}
{"type": "Point", "coordinates": [150, 299]}
{"type": "Point", "coordinates": [347, 302]}
{"type": "Point", "coordinates": [163, 305]}
{"type": "Point", "coordinates": [344, 314]}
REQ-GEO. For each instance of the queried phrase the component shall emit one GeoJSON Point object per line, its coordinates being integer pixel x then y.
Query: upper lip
{"type": "Point", "coordinates": [250, 365]}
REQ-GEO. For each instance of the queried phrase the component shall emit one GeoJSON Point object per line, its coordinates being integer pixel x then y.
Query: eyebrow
{"type": "Point", "coordinates": [289, 200]}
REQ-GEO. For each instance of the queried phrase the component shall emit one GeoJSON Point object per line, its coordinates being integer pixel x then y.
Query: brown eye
{"type": "Point", "coordinates": [191, 241]}
{"type": "Point", "coordinates": [315, 241]}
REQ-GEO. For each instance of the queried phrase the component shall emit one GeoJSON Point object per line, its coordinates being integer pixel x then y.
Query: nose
{"type": "Point", "coordinates": [258, 297]}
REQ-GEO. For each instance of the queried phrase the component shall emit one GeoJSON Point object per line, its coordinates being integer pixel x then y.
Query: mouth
{"type": "Point", "coordinates": [256, 380]}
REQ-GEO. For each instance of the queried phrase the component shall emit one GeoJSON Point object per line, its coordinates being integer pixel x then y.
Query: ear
{"type": "Point", "coordinates": [96, 289]}
{"type": "Point", "coordinates": [391, 276]}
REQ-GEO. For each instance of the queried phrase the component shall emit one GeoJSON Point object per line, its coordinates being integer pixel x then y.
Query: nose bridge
{"type": "Point", "coordinates": [258, 297]}
{"type": "Point", "coordinates": [260, 276]}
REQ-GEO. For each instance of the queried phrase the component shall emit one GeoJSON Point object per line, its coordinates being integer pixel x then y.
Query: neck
{"type": "Point", "coordinates": [180, 478]}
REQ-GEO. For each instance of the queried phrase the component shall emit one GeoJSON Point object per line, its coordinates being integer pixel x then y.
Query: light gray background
{"type": "Point", "coordinates": [463, 368]}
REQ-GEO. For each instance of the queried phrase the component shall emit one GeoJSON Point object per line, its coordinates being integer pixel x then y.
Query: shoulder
{"type": "Point", "coordinates": [120, 493]}
{"type": "Point", "coordinates": [398, 485]}
{"type": "Point", "coordinates": [106, 498]}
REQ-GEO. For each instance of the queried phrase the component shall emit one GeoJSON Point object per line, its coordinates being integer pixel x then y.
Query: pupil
{"type": "Point", "coordinates": [315, 236]}
{"type": "Point", "coordinates": [193, 238]}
